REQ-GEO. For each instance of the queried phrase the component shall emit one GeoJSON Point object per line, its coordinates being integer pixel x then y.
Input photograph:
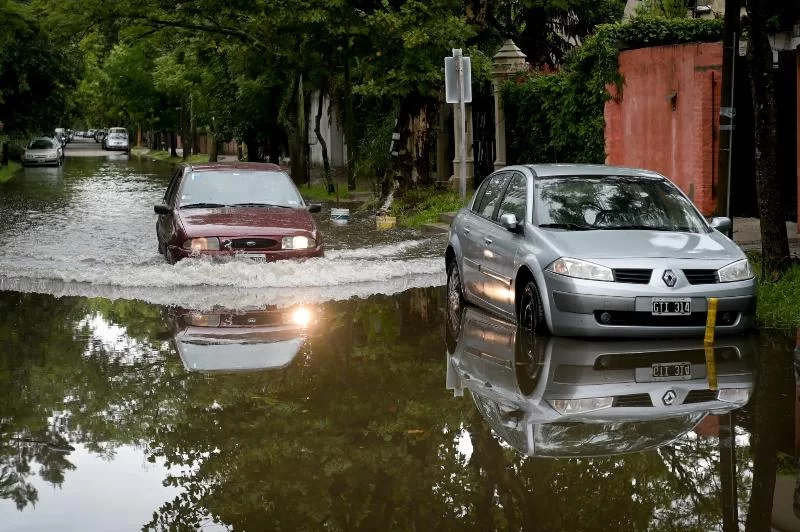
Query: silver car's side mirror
{"type": "Point", "coordinates": [510, 222]}
{"type": "Point", "coordinates": [721, 224]}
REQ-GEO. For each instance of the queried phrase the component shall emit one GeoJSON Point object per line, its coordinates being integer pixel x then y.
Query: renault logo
{"type": "Point", "coordinates": [669, 278]}
{"type": "Point", "coordinates": [669, 397]}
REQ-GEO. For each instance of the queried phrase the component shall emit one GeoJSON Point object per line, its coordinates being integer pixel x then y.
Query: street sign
{"type": "Point", "coordinates": [451, 79]}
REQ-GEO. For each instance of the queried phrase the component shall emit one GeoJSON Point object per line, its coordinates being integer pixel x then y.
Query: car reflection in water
{"type": "Point", "coordinates": [239, 340]}
{"type": "Point", "coordinates": [563, 397]}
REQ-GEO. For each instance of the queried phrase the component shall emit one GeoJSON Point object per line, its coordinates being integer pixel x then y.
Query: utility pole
{"type": "Point", "coordinates": [727, 110]}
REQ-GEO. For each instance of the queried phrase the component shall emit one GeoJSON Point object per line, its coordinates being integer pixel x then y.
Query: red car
{"type": "Point", "coordinates": [252, 210]}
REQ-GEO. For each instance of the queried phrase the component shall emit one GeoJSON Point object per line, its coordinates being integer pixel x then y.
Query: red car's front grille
{"type": "Point", "coordinates": [252, 244]}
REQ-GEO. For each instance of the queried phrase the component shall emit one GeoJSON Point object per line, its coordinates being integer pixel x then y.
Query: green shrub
{"type": "Point", "coordinates": [558, 117]}
{"type": "Point", "coordinates": [417, 207]}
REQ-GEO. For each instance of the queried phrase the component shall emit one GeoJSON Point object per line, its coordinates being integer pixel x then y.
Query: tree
{"type": "Point", "coordinates": [774, 238]}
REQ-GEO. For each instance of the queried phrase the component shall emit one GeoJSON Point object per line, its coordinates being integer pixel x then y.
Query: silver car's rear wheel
{"type": "Point", "coordinates": [531, 311]}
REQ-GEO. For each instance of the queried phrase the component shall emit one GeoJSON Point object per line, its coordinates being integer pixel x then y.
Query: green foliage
{"type": "Point", "coordinates": [372, 159]}
{"type": "Point", "coordinates": [778, 299]}
{"type": "Point", "coordinates": [7, 172]}
{"type": "Point", "coordinates": [36, 75]}
{"type": "Point", "coordinates": [419, 206]}
{"type": "Point", "coordinates": [663, 8]}
{"type": "Point", "coordinates": [558, 117]}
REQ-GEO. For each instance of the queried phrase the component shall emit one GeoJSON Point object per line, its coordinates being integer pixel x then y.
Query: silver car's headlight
{"type": "Point", "coordinates": [734, 395]}
{"type": "Point", "coordinates": [738, 271]}
{"type": "Point", "coordinates": [580, 406]}
{"type": "Point", "coordinates": [581, 269]}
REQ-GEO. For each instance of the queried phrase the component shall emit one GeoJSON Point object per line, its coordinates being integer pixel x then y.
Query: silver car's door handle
{"type": "Point", "coordinates": [466, 229]}
{"type": "Point", "coordinates": [487, 240]}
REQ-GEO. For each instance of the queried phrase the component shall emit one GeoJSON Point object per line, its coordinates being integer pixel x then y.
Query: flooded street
{"type": "Point", "coordinates": [339, 394]}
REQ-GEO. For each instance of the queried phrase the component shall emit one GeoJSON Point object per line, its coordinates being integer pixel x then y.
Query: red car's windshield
{"type": "Point", "coordinates": [239, 187]}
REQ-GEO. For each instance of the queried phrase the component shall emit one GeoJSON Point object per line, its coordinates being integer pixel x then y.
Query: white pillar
{"type": "Point", "coordinates": [507, 61]}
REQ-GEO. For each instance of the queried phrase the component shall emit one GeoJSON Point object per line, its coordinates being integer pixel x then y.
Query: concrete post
{"type": "Point", "coordinates": [469, 171]}
{"type": "Point", "coordinates": [507, 61]}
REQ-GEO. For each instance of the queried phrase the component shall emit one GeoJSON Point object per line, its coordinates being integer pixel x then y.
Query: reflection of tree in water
{"type": "Point", "coordinates": [612, 201]}
{"type": "Point", "coordinates": [358, 432]}
{"type": "Point", "coordinates": [51, 364]}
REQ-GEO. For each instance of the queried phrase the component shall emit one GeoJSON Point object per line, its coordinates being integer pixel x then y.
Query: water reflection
{"type": "Point", "coordinates": [559, 397]}
{"type": "Point", "coordinates": [238, 340]}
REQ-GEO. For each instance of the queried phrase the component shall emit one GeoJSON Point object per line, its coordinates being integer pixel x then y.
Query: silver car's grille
{"type": "Point", "coordinates": [700, 396]}
{"type": "Point", "coordinates": [632, 400]}
{"type": "Point", "coordinates": [634, 276]}
{"type": "Point", "coordinates": [701, 276]}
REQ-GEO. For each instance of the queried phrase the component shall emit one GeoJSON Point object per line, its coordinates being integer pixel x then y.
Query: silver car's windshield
{"type": "Point", "coordinates": [239, 188]}
{"type": "Point", "coordinates": [40, 144]}
{"type": "Point", "coordinates": [614, 203]}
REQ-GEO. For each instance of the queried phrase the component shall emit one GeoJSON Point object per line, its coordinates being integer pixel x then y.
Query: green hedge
{"type": "Point", "coordinates": [558, 117]}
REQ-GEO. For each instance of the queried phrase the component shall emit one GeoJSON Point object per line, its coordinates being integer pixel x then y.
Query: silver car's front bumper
{"type": "Point", "coordinates": [577, 308]}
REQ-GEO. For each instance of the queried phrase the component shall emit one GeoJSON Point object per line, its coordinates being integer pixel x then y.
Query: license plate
{"type": "Point", "coordinates": [254, 257]}
{"type": "Point", "coordinates": [672, 306]}
{"type": "Point", "coordinates": [670, 371]}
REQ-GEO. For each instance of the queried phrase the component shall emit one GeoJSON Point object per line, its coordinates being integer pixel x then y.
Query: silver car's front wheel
{"type": "Point", "coordinates": [531, 310]}
{"type": "Point", "coordinates": [455, 295]}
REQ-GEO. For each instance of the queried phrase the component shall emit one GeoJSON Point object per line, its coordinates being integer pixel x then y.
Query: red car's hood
{"type": "Point", "coordinates": [245, 221]}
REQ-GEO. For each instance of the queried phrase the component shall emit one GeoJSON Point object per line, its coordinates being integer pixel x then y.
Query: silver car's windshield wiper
{"type": "Point", "coordinates": [260, 205]}
{"type": "Point", "coordinates": [571, 226]}
{"type": "Point", "coordinates": [202, 205]}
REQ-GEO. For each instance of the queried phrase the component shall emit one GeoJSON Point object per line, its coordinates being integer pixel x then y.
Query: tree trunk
{"type": "Point", "coordinates": [349, 133]}
{"type": "Point", "coordinates": [186, 143]}
{"type": "Point", "coordinates": [774, 239]}
{"type": "Point", "coordinates": [252, 149]}
{"type": "Point", "coordinates": [213, 148]}
{"type": "Point", "coordinates": [326, 165]}
{"type": "Point", "coordinates": [173, 144]}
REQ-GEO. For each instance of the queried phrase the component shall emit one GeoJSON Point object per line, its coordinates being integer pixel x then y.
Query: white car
{"type": "Point", "coordinates": [43, 151]}
{"type": "Point", "coordinates": [116, 139]}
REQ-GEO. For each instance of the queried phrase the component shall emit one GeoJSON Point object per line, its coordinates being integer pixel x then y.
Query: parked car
{"type": "Point", "coordinates": [594, 250]}
{"type": "Point", "coordinates": [64, 134]}
{"type": "Point", "coordinates": [116, 139]}
{"type": "Point", "coordinates": [251, 210]}
{"type": "Point", "coordinates": [238, 340]}
{"type": "Point", "coordinates": [562, 397]}
{"type": "Point", "coordinates": [43, 151]}
{"type": "Point", "coordinates": [99, 135]}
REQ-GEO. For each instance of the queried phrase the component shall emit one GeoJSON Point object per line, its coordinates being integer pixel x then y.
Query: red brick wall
{"type": "Point", "coordinates": [677, 136]}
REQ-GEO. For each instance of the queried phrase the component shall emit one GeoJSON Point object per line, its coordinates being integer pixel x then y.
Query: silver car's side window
{"type": "Point", "coordinates": [479, 194]}
{"type": "Point", "coordinates": [491, 195]}
{"type": "Point", "coordinates": [516, 198]}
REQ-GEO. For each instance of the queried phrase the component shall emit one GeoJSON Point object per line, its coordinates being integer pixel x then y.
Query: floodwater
{"type": "Point", "coordinates": [337, 394]}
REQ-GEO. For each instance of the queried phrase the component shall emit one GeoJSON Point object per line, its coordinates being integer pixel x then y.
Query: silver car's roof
{"type": "Point", "coordinates": [553, 170]}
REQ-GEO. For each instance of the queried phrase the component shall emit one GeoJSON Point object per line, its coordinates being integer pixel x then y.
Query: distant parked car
{"type": "Point", "coordinates": [99, 135]}
{"type": "Point", "coordinates": [594, 250]}
{"type": "Point", "coordinates": [252, 210]}
{"type": "Point", "coordinates": [116, 139]}
{"type": "Point", "coordinates": [43, 151]}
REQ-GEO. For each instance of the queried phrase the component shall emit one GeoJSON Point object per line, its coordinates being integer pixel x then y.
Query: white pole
{"type": "Point", "coordinates": [462, 148]}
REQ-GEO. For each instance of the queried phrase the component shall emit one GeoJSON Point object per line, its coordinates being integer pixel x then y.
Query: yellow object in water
{"type": "Point", "coordinates": [711, 363]}
{"type": "Point", "coordinates": [385, 222]}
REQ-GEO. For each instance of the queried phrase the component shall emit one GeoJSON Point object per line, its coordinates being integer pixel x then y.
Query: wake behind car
{"type": "Point", "coordinates": [595, 250]}
{"type": "Point", "coordinates": [43, 151]}
{"type": "Point", "coordinates": [250, 210]}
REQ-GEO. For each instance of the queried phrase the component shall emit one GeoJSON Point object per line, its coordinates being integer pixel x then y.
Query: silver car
{"type": "Point", "coordinates": [594, 250]}
{"type": "Point", "coordinates": [43, 151]}
{"type": "Point", "coordinates": [116, 139]}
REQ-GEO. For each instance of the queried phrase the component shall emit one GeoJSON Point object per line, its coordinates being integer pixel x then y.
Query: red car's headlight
{"type": "Point", "coordinates": [202, 244]}
{"type": "Point", "coordinates": [297, 242]}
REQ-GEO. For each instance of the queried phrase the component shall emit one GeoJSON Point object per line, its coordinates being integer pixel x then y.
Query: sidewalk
{"type": "Point", "coordinates": [747, 233]}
